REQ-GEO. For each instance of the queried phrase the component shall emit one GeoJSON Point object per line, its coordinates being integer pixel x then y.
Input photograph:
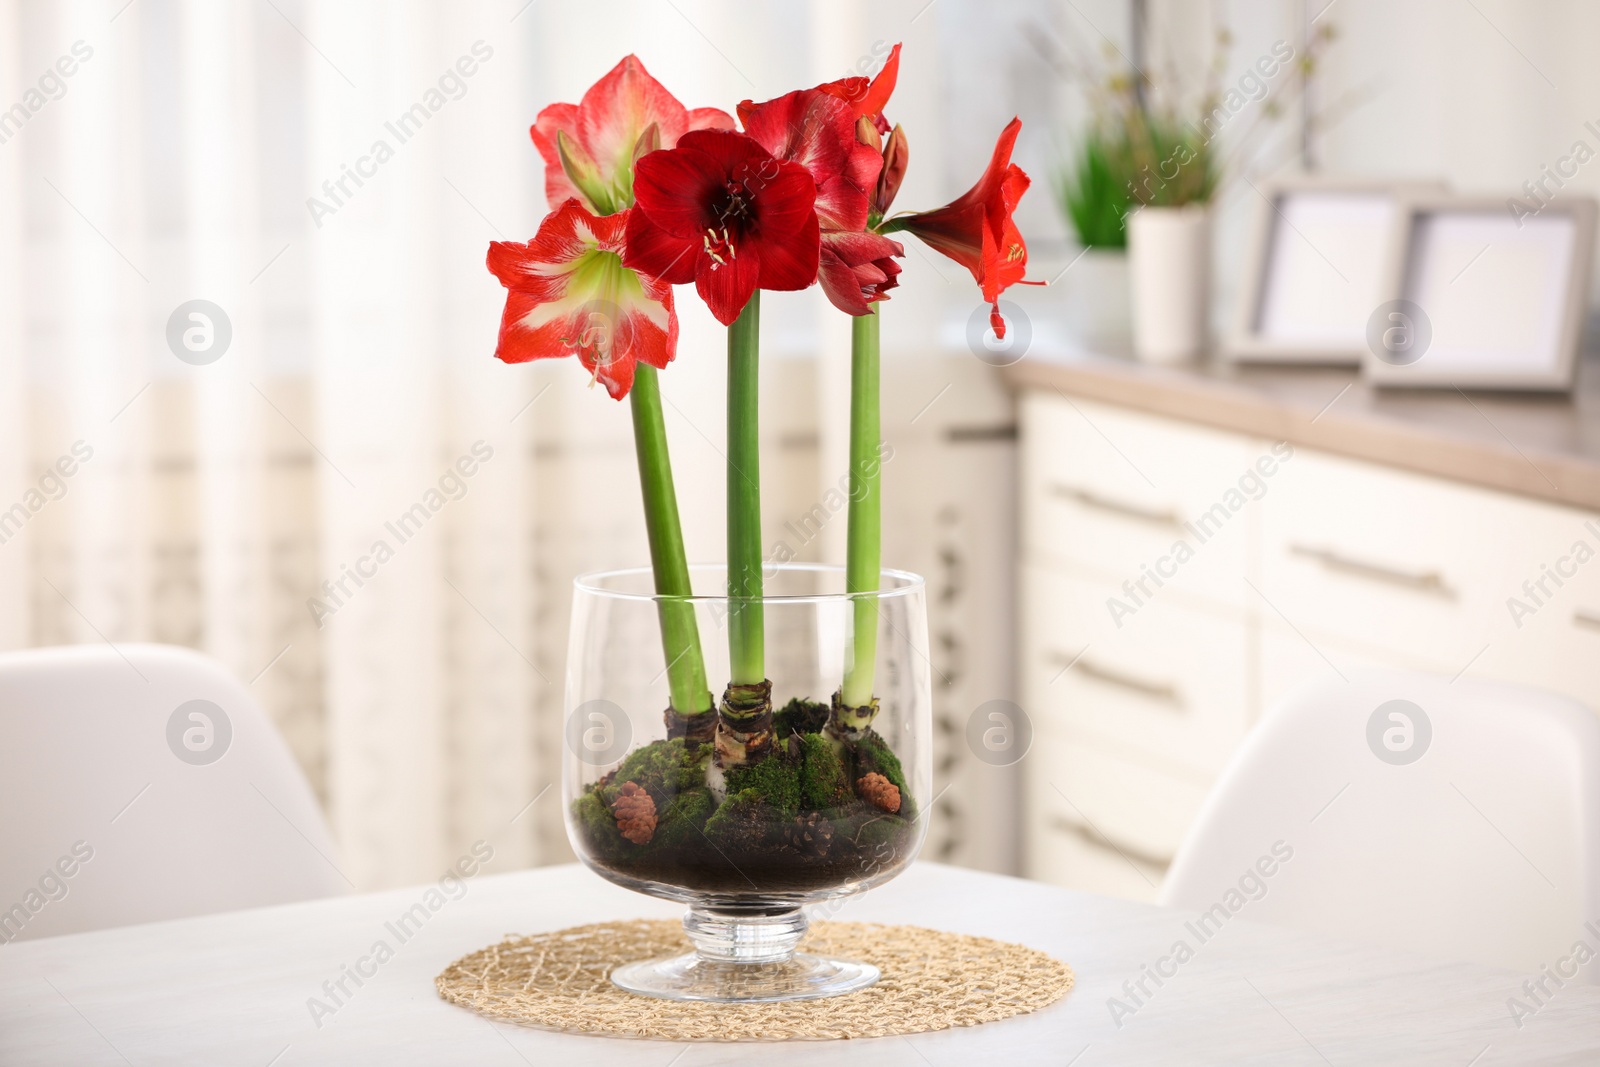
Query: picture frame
{"type": "Point", "coordinates": [1485, 298]}
{"type": "Point", "coordinates": [1315, 268]}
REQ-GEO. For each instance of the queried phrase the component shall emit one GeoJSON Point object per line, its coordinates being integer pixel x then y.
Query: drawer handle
{"type": "Point", "coordinates": [1586, 618]}
{"type": "Point", "coordinates": [1089, 837]}
{"type": "Point", "coordinates": [1168, 519]}
{"type": "Point", "coordinates": [1164, 692]}
{"type": "Point", "coordinates": [1423, 581]}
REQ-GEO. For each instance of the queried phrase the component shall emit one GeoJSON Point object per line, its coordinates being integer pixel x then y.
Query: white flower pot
{"type": "Point", "coordinates": [1169, 259]}
{"type": "Point", "coordinates": [1095, 289]}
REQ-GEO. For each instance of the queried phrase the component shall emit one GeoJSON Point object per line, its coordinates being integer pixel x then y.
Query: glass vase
{"type": "Point", "coordinates": [828, 803]}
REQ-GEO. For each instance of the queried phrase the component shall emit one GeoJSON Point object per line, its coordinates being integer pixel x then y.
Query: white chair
{"type": "Point", "coordinates": [143, 782]}
{"type": "Point", "coordinates": [1486, 848]}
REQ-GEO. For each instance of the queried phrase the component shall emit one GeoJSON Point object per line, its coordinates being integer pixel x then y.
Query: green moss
{"type": "Point", "coordinates": [823, 781]}
{"type": "Point", "coordinates": [799, 717]}
{"type": "Point", "coordinates": [874, 834]}
{"type": "Point", "coordinates": [599, 828]}
{"type": "Point", "coordinates": [680, 825]}
{"type": "Point", "coordinates": [741, 822]}
{"type": "Point", "coordinates": [663, 769]}
{"type": "Point", "coordinates": [773, 778]}
{"type": "Point", "coordinates": [871, 753]}
{"type": "Point", "coordinates": [881, 831]}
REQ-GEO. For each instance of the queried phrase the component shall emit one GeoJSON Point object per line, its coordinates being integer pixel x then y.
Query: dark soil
{"type": "Point", "coordinates": [791, 821]}
{"type": "Point", "coordinates": [773, 869]}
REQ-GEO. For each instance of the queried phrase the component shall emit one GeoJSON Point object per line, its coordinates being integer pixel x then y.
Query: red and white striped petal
{"type": "Point", "coordinates": [603, 130]}
{"type": "Point", "coordinates": [569, 294]}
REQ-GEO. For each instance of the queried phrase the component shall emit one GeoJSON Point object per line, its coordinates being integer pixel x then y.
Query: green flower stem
{"type": "Point", "coordinates": [864, 532]}
{"type": "Point", "coordinates": [680, 634]}
{"type": "Point", "coordinates": [746, 638]}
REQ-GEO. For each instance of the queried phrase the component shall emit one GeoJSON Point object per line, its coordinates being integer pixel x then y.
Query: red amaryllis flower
{"type": "Point", "coordinates": [976, 229]}
{"type": "Point", "coordinates": [858, 269]}
{"type": "Point", "coordinates": [590, 148]}
{"type": "Point", "coordinates": [571, 295]}
{"type": "Point", "coordinates": [720, 211]}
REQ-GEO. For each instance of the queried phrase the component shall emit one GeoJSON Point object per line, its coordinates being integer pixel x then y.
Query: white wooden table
{"type": "Point", "coordinates": [234, 989]}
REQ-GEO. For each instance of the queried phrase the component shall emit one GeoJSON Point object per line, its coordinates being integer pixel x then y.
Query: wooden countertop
{"type": "Point", "coordinates": [1542, 446]}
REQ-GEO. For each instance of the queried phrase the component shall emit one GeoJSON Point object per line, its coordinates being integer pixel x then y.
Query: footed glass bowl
{"type": "Point", "coordinates": [746, 819]}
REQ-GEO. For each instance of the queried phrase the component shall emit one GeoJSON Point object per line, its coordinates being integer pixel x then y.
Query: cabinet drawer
{"type": "Point", "coordinates": [1390, 560]}
{"type": "Point", "coordinates": [1070, 855]}
{"type": "Point", "coordinates": [1117, 491]}
{"type": "Point", "coordinates": [1170, 681]}
{"type": "Point", "coordinates": [1143, 811]}
{"type": "Point", "coordinates": [1556, 648]}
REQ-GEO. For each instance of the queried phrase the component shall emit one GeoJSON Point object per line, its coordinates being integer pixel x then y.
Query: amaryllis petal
{"type": "Point", "coordinates": [976, 229]}
{"type": "Point", "coordinates": [877, 96]}
{"type": "Point", "coordinates": [726, 285]}
{"type": "Point", "coordinates": [618, 108]}
{"type": "Point", "coordinates": [676, 188]}
{"type": "Point", "coordinates": [957, 232]}
{"type": "Point", "coordinates": [817, 130]}
{"type": "Point", "coordinates": [570, 294]}
{"type": "Point", "coordinates": [857, 248]}
{"type": "Point", "coordinates": [604, 132]}
{"type": "Point", "coordinates": [792, 265]}
{"type": "Point", "coordinates": [652, 250]}
{"type": "Point", "coordinates": [558, 188]}
{"type": "Point", "coordinates": [706, 118]}
{"type": "Point", "coordinates": [868, 98]}
{"type": "Point", "coordinates": [789, 198]}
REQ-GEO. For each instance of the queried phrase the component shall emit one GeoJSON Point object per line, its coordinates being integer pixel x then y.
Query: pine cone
{"type": "Point", "coordinates": [878, 791]}
{"type": "Point", "coordinates": [811, 834]}
{"type": "Point", "coordinates": [635, 812]}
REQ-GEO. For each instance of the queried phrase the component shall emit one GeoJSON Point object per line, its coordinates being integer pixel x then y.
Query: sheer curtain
{"type": "Point", "coordinates": [343, 505]}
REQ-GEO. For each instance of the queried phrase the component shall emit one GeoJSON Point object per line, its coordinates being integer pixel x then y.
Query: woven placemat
{"type": "Point", "coordinates": [931, 981]}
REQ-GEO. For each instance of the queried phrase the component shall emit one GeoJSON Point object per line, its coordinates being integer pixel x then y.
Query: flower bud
{"type": "Point", "coordinates": [867, 133]}
{"type": "Point", "coordinates": [896, 155]}
{"type": "Point", "coordinates": [648, 141]}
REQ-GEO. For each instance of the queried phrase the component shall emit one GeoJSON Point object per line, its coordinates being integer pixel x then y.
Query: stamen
{"type": "Point", "coordinates": [722, 244]}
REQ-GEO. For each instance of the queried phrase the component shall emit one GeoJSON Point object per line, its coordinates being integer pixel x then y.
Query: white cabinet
{"type": "Point", "coordinates": [1142, 677]}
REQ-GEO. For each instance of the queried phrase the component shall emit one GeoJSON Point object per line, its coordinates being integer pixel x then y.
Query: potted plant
{"type": "Point", "coordinates": [752, 736]}
{"type": "Point", "coordinates": [1094, 198]}
{"type": "Point", "coordinates": [1173, 174]}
